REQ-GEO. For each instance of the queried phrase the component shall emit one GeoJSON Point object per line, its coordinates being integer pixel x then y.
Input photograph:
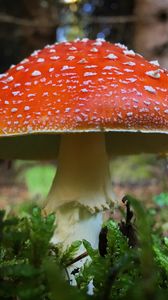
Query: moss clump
{"type": "Point", "coordinates": [131, 262]}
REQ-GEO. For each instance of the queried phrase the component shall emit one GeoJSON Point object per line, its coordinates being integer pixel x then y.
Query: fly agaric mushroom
{"type": "Point", "coordinates": [92, 98]}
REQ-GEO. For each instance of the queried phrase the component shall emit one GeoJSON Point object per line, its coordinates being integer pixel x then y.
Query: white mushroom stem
{"type": "Point", "coordinates": [81, 188]}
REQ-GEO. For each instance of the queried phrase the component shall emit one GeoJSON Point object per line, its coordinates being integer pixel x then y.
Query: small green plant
{"type": "Point", "coordinates": [161, 199]}
{"type": "Point", "coordinates": [131, 262]}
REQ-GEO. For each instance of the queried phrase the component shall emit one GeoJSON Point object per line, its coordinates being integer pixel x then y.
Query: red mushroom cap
{"type": "Point", "coordinates": [83, 86]}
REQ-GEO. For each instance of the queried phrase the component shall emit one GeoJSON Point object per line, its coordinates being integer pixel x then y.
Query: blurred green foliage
{"type": "Point", "coordinates": [38, 178]}
{"type": "Point", "coordinates": [161, 199]}
{"type": "Point", "coordinates": [31, 267]}
{"type": "Point", "coordinates": [133, 168]}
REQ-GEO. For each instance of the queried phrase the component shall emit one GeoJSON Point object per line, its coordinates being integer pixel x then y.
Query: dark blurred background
{"type": "Point", "coordinates": [28, 25]}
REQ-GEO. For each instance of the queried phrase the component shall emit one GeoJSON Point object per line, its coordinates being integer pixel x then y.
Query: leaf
{"type": "Point", "coordinates": [91, 252]}
{"type": "Point", "coordinates": [161, 259]}
{"type": "Point", "coordinates": [70, 252]}
{"type": "Point", "coordinates": [117, 243]}
{"type": "Point", "coordinates": [161, 199]}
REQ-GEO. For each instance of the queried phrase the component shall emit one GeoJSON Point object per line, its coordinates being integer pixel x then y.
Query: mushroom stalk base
{"type": "Point", "coordinates": [81, 187]}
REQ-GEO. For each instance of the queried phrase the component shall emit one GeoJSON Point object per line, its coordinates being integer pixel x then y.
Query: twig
{"type": "Point", "coordinates": [114, 19]}
{"type": "Point", "coordinates": [4, 18]}
{"type": "Point", "coordinates": [81, 256]}
{"type": "Point", "coordinates": [26, 22]}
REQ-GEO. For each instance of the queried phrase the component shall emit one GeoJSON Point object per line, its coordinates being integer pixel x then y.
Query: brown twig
{"type": "Point", "coordinates": [114, 19]}
{"type": "Point", "coordinates": [4, 18]}
{"type": "Point", "coordinates": [76, 259]}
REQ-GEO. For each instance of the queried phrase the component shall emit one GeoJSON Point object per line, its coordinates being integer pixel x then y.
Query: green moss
{"type": "Point", "coordinates": [31, 267]}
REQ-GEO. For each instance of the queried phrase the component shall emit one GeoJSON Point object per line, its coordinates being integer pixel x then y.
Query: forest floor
{"type": "Point", "coordinates": [142, 176]}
